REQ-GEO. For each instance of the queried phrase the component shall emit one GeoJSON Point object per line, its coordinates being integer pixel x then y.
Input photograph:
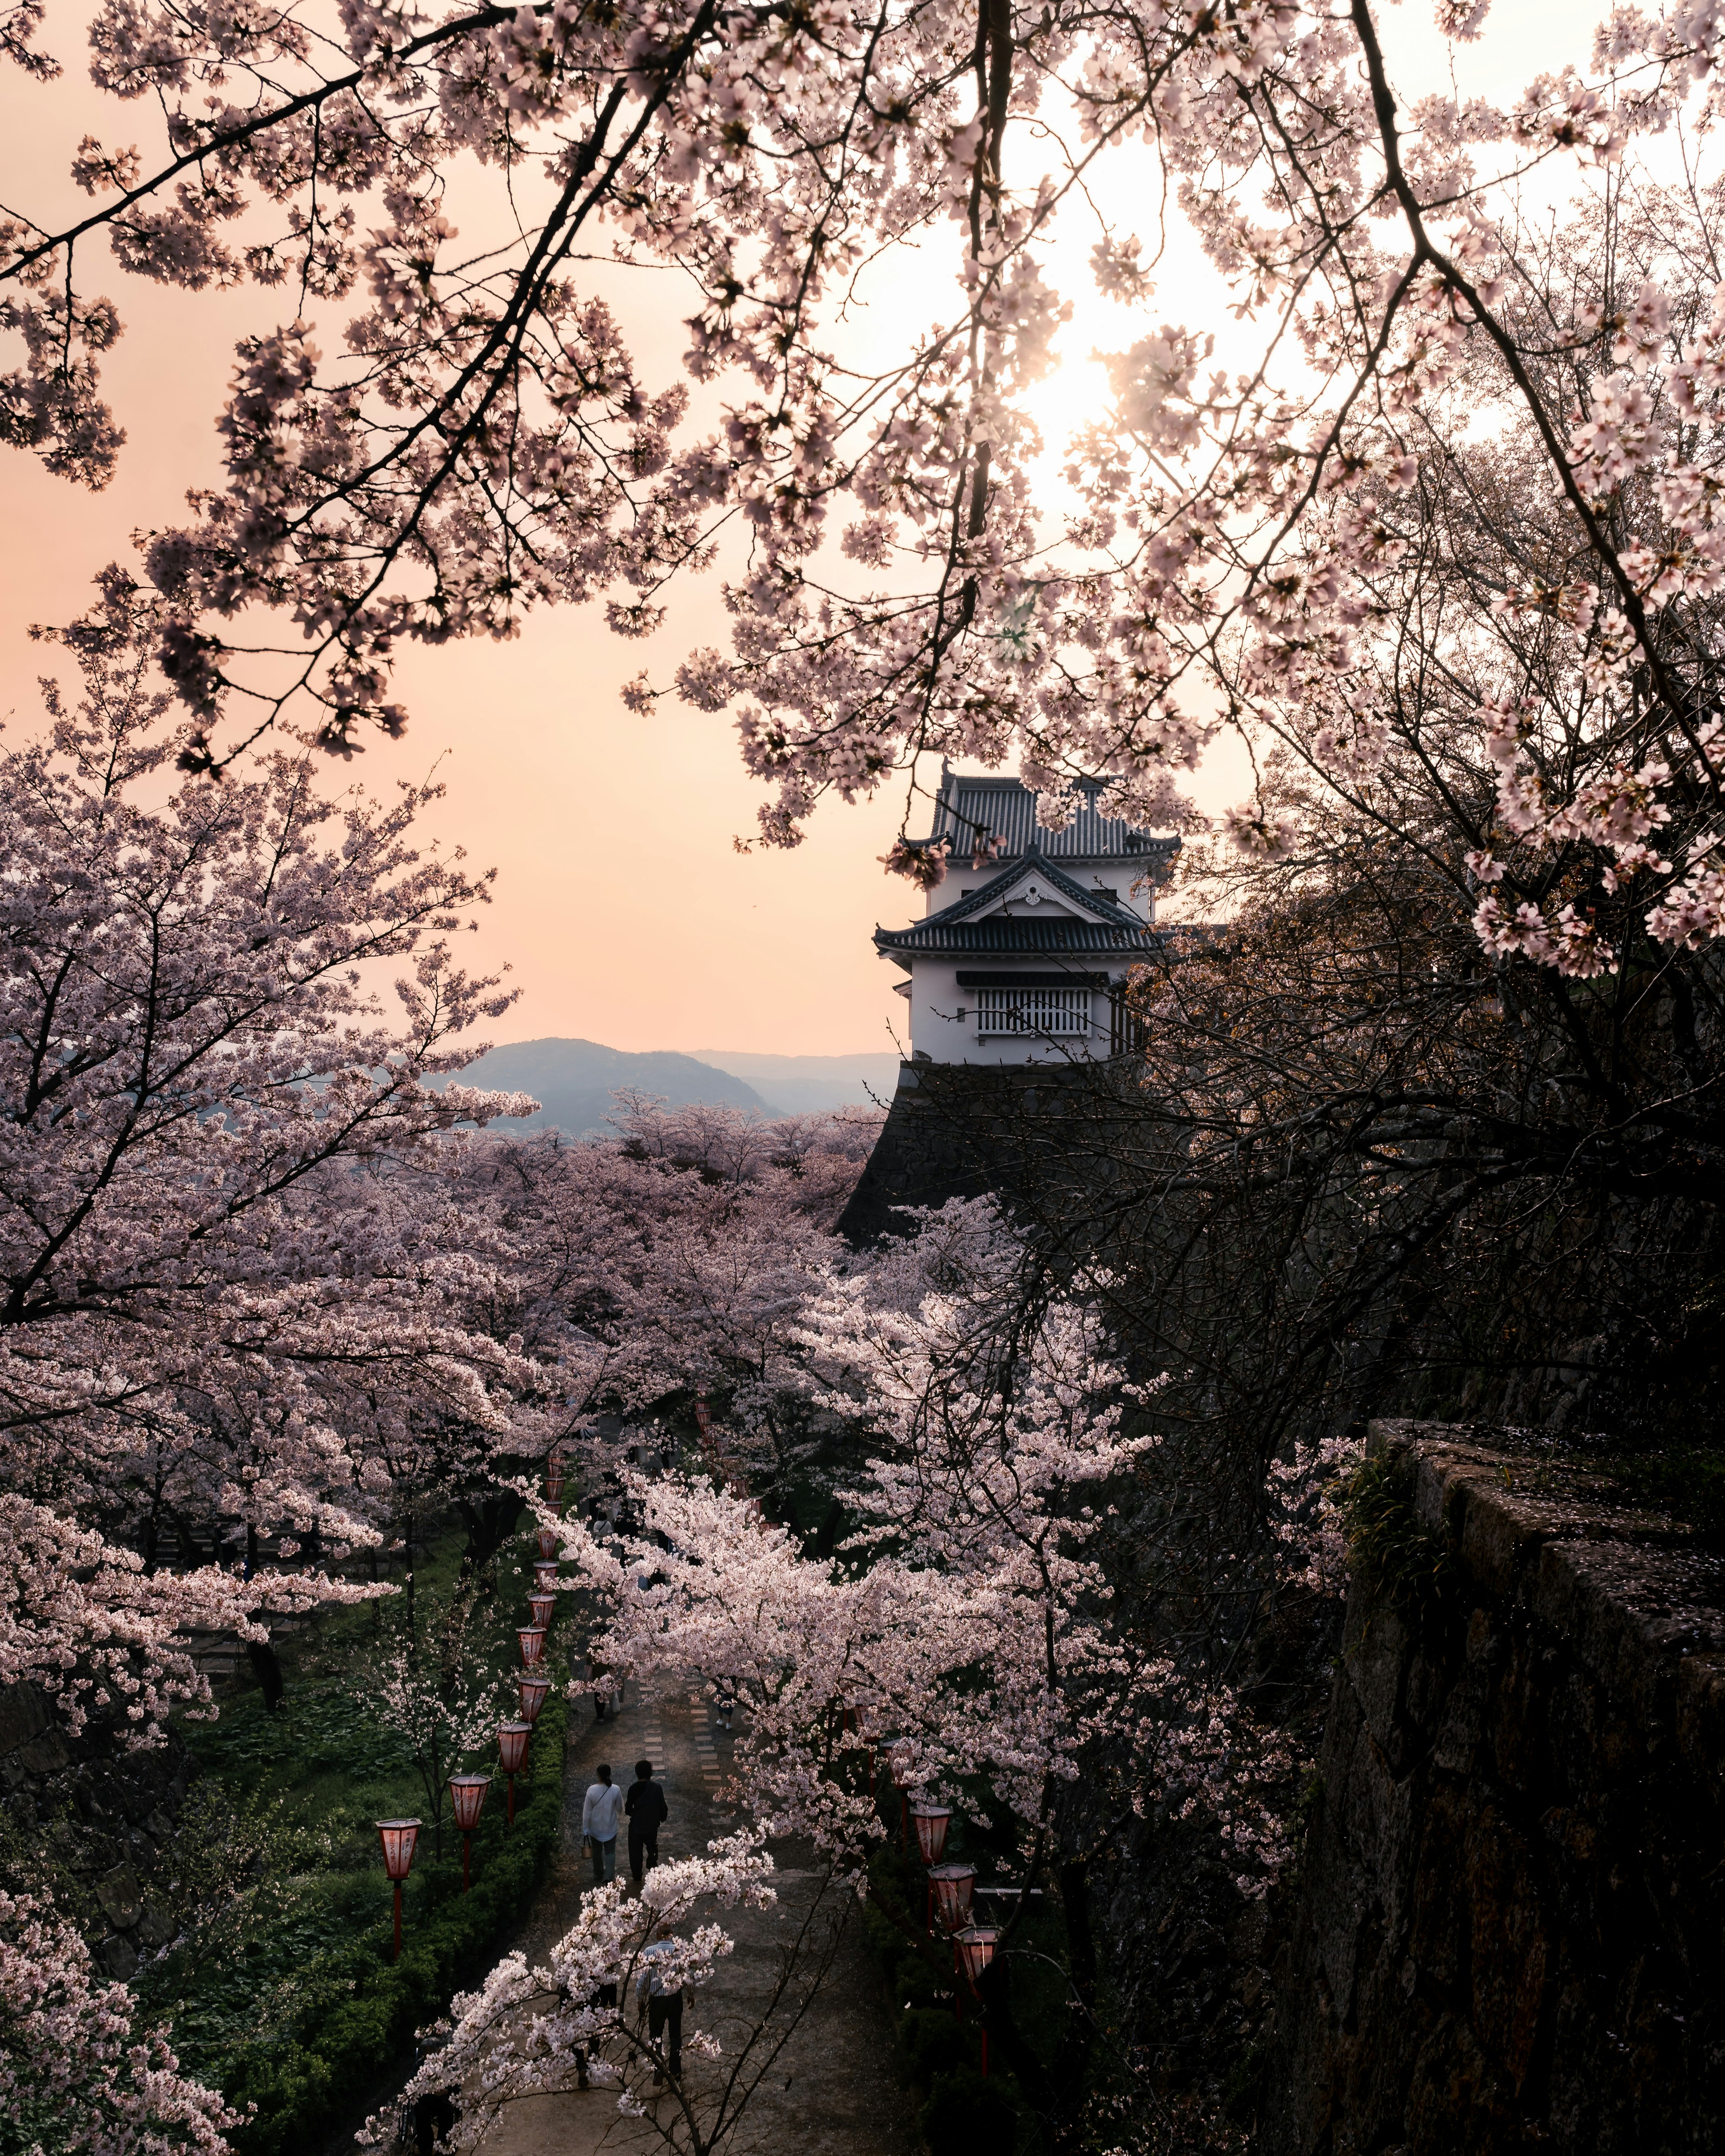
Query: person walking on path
{"type": "Point", "coordinates": [647, 1812]}
{"type": "Point", "coordinates": [724, 1700]}
{"type": "Point", "coordinates": [600, 1810]}
{"type": "Point", "coordinates": [662, 2004]}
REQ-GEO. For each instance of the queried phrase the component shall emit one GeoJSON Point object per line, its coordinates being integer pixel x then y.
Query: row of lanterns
{"type": "Point", "coordinates": [468, 1792]}
{"type": "Point", "coordinates": [951, 1888]}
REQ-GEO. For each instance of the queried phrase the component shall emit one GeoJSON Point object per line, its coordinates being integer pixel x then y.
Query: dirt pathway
{"type": "Point", "coordinates": [832, 2091]}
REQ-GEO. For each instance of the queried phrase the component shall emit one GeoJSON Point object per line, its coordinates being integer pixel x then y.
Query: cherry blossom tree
{"type": "Point", "coordinates": [673, 1258]}
{"type": "Point", "coordinates": [198, 1083]}
{"type": "Point", "coordinates": [532, 2031]}
{"type": "Point", "coordinates": [440, 1694]}
{"type": "Point", "coordinates": [475, 438]}
{"type": "Point", "coordinates": [991, 1622]}
{"type": "Point", "coordinates": [75, 2071]}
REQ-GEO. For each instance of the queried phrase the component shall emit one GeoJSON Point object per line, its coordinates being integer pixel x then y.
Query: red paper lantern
{"type": "Point", "coordinates": [541, 1606]}
{"type": "Point", "coordinates": [930, 1822]}
{"type": "Point", "coordinates": [953, 1886]}
{"type": "Point", "coordinates": [512, 1750]}
{"type": "Point", "coordinates": [532, 1639]}
{"type": "Point", "coordinates": [398, 1837]}
{"type": "Point", "coordinates": [545, 1577]}
{"type": "Point", "coordinates": [548, 1540]}
{"type": "Point", "coordinates": [534, 1690]}
{"type": "Point", "coordinates": [554, 1480]}
{"type": "Point", "coordinates": [974, 1947]}
{"type": "Point", "coordinates": [467, 1793]}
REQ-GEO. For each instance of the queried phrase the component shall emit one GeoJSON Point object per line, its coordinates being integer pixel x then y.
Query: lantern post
{"type": "Point", "coordinates": [467, 1793]}
{"type": "Point", "coordinates": [398, 1837]}
{"type": "Point", "coordinates": [544, 1576]}
{"type": "Point", "coordinates": [930, 1822]}
{"type": "Point", "coordinates": [532, 1639]}
{"type": "Point", "coordinates": [512, 1751]}
{"type": "Point", "coordinates": [554, 1480]}
{"type": "Point", "coordinates": [972, 1950]}
{"type": "Point", "coordinates": [547, 1545]}
{"type": "Point", "coordinates": [535, 1689]}
{"type": "Point", "coordinates": [542, 1604]}
{"type": "Point", "coordinates": [953, 1886]}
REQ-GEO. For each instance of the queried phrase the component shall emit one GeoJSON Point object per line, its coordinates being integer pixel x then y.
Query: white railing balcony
{"type": "Point", "coordinates": [1031, 1014]}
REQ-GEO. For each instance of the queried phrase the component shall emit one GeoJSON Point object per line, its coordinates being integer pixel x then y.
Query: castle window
{"type": "Point", "coordinates": [1003, 1013]}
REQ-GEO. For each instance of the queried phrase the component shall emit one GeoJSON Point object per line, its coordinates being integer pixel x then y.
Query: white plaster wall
{"type": "Point", "coordinates": [1118, 876]}
{"type": "Point", "coordinates": [935, 1032]}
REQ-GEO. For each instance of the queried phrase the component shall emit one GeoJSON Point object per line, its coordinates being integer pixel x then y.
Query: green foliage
{"type": "Point", "coordinates": [279, 1987]}
{"type": "Point", "coordinates": [299, 2011]}
{"type": "Point", "coordinates": [1393, 1554]}
{"type": "Point", "coordinates": [966, 2116]}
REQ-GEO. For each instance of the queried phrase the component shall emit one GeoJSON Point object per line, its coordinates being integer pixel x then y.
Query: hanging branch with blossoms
{"type": "Point", "coordinates": [209, 1322]}
{"type": "Point", "coordinates": [539, 2031]}
{"type": "Point", "coordinates": [474, 439]}
{"type": "Point", "coordinates": [75, 2072]}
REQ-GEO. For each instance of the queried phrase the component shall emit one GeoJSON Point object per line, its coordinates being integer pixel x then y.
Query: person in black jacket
{"type": "Point", "coordinates": [647, 1811]}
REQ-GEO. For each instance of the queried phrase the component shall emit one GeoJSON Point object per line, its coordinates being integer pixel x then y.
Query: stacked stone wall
{"type": "Point", "coordinates": [91, 1821]}
{"type": "Point", "coordinates": [1512, 1930]}
{"type": "Point", "coordinates": [958, 1129]}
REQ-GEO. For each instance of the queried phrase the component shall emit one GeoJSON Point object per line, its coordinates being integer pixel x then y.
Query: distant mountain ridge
{"type": "Point", "coordinates": [574, 1081]}
{"type": "Point", "coordinates": [810, 1084]}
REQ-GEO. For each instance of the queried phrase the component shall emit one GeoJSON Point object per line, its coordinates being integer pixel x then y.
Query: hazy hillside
{"type": "Point", "coordinates": [573, 1081]}
{"type": "Point", "coordinates": [806, 1085]}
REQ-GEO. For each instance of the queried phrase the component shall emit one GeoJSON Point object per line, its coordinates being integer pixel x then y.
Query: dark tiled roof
{"type": "Point", "coordinates": [1005, 808]}
{"type": "Point", "coordinates": [939, 934]}
{"type": "Point", "coordinates": [956, 928]}
{"type": "Point", "coordinates": [1076, 893]}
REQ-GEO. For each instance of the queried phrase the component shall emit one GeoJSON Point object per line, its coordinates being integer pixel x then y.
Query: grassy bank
{"type": "Point", "coordinates": [280, 1989]}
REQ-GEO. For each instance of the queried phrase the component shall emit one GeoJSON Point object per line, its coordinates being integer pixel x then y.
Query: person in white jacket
{"type": "Point", "coordinates": [600, 1811]}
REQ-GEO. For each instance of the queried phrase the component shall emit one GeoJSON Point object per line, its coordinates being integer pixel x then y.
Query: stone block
{"type": "Point", "coordinates": [1510, 1943]}
{"type": "Point", "coordinates": [1377, 1822]}
{"type": "Point", "coordinates": [1700, 1718]}
{"type": "Point", "coordinates": [1461, 1720]}
{"type": "Point", "coordinates": [1374, 1650]}
{"type": "Point", "coordinates": [1457, 2106]}
{"type": "Point", "coordinates": [1438, 1928]}
{"type": "Point", "coordinates": [23, 1714]}
{"type": "Point", "coordinates": [118, 1957]}
{"type": "Point", "coordinates": [45, 1754]}
{"type": "Point", "coordinates": [1502, 1536]}
{"type": "Point", "coordinates": [120, 1897]}
{"type": "Point", "coordinates": [1337, 1898]}
{"type": "Point", "coordinates": [155, 1925]}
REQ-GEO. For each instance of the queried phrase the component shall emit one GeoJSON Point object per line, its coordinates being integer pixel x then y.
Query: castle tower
{"type": "Point", "coordinates": [1021, 957]}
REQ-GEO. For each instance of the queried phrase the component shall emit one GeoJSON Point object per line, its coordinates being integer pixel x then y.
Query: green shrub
{"type": "Point", "coordinates": [967, 2116]}
{"type": "Point", "coordinates": [936, 2042]}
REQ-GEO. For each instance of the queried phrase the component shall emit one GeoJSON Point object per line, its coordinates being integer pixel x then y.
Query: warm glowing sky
{"type": "Point", "coordinates": [623, 909]}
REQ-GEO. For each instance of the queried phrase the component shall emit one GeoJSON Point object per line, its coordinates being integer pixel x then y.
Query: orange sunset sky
{"type": "Point", "coordinates": [624, 911]}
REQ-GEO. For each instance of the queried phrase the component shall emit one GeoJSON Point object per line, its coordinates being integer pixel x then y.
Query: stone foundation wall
{"type": "Point", "coordinates": [101, 1816]}
{"type": "Point", "coordinates": [958, 1130]}
{"type": "Point", "coordinates": [1512, 1928]}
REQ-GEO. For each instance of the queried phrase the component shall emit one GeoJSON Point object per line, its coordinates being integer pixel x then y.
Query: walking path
{"type": "Point", "coordinates": [833, 2091]}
